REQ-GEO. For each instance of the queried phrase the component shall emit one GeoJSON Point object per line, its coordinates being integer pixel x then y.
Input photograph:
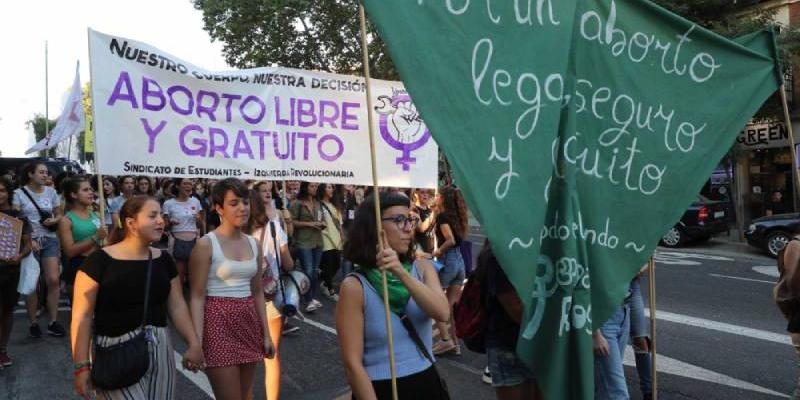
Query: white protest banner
{"type": "Point", "coordinates": [158, 115]}
{"type": "Point", "coordinates": [71, 121]}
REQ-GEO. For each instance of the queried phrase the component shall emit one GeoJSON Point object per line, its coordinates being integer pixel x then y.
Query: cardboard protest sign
{"type": "Point", "coordinates": [10, 236]}
{"type": "Point", "coordinates": [158, 115]}
{"type": "Point", "coordinates": [578, 131]}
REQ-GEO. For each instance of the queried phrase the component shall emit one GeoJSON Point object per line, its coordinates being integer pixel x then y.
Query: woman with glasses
{"type": "Point", "coordinates": [415, 297]}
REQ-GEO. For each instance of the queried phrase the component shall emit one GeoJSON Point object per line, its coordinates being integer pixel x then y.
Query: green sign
{"type": "Point", "coordinates": [579, 131]}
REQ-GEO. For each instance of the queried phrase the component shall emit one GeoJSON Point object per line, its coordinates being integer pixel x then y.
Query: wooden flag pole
{"type": "Point", "coordinates": [651, 269]}
{"type": "Point", "coordinates": [376, 194]}
{"type": "Point", "coordinates": [793, 150]}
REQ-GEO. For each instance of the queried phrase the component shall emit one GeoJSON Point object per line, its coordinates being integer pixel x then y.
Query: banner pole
{"type": "Point", "coordinates": [102, 194]}
{"type": "Point", "coordinates": [652, 281]}
{"type": "Point", "coordinates": [376, 194]}
{"type": "Point", "coordinates": [793, 150]}
{"type": "Point", "coordinates": [46, 98]}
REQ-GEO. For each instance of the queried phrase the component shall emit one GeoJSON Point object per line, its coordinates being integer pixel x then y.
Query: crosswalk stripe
{"type": "Point", "coordinates": [199, 379]}
{"type": "Point", "coordinates": [721, 327]}
{"type": "Point", "coordinates": [666, 365]}
{"type": "Point", "coordinates": [672, 366]}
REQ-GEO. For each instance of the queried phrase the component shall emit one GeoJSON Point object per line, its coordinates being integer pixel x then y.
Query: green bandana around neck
{"type": "Point", "coordinates": [398, 293]}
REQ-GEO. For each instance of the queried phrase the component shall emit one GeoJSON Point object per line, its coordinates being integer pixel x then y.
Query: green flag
{"type": "Point", "coordinates": [578, 131]}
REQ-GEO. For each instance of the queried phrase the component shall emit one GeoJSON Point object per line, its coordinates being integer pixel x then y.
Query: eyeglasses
{"type": "Point", "coordinates": [403, 221]}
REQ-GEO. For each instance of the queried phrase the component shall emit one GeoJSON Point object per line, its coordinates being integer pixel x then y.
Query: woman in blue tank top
{"type": "Point", "coordinates": [415, 298]}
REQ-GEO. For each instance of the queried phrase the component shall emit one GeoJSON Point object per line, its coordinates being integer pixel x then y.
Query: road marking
{"type": "Point", "coordinates": [316, 324]}
{"type": "Point", "coordinates": [199, 379]}
{"type": "Point", "coordinates": [676, 258]}
{"type": "Point", "coordinates": [666, 365]}
{"type": "Point", "coordinates": [24, 311]}
{"type": "Point", "coordinates": [721, 327]}
{"type": "Point", "coordinates": [771, 270]}
{"type": "Point", "coordinates": [741, 279]}
{"type": "Point", "coordinates": [675, 367]}
{"type": "Point", "coordinates": [454, 364]}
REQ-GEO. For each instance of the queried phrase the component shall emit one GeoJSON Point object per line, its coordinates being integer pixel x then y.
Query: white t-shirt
{"type": "Point", "coordinates": [184, 212]}
{"type": "Point", "coordinates": [47, 201]}
{"type": "Point", "coordinates": [268, 247]}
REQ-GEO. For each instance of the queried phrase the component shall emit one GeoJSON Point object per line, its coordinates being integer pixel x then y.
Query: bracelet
{"type": "Point", "coordinates": [79, 365]}
{"type": "Point", "coordinates": [83, 369]}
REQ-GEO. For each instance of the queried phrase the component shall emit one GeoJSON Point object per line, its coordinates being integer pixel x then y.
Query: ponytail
{"type": "Point", "coordinates": [130, 209]}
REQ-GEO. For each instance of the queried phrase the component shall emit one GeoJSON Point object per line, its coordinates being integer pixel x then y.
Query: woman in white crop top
{"type": "Point", "coordinates": [227, 300]}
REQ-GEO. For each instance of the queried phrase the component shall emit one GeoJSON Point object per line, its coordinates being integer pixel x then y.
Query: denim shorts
{"type": "Point", "coordinates": [453, 271]}
{"type": "Point", "coordinates": [506, 369]}
{"type": "Point", "coordinates": [49, 248]}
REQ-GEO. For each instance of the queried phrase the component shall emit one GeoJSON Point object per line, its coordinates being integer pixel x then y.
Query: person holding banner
{"type": "Point", "coordinates": [450, 228]}
{"type": "Point", "coordinates": [110, 303]}
{"type": "Point", "coordinates": [184, 214]}
{"type": "Point", "coordinates": [415, 297]}
{"type": "Point", "coordinates": [265, 226]}
{"type": "Point", "coordinates": [308, 225]}
{"type": "Point", "coordinates": [227, 298]}
{"type": "Point", "coordinates": [41, 205]}
{"type": "Point", "coordinates": [10, 272]}
{"type": "Point", "coordinates": [81, 232]}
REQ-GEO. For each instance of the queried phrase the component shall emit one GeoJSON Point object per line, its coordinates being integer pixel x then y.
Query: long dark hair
{"type": "Point", "coordinates": [150, 187]}
{"type": "Point", "coordinates": [363, 237]}
{"type": "Point", "coordinates": [28, 169]}
{"type": "Point", "coordinates": [303, 194]}
{"type": "Point", "coordinates": [452, 203]}
{"type": "Point", "coordinates": [338, 195]}
{"type": "Point", "coordinates": [276, 196]}
{"type": "Point", "coordinates": [109, 179]}
{"type": "Point", "coordinates": [258, 213]}
{"type": "Point", "coordinates": [6, 183]}
{"type": "Point", "coordinates": [130, 209]}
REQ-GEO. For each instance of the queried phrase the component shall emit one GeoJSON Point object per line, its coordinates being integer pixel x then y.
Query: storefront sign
{"type": "Point", "coordinates": [763, 136]}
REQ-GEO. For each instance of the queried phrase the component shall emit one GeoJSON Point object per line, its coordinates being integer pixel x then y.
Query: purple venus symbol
{"type": "Point", "coordinates": [401, 126]}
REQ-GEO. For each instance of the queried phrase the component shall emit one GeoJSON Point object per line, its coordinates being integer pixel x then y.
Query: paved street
{"type": "Point", "coordinates": [719, 337]}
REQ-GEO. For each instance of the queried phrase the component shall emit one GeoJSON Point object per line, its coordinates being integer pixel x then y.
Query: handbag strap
{"type": "Point", "coordinates": [273, 233]}
{"type": "Point", "coordinates": [35, 204]}
{"type": "Point", "coordinates": [333, 217]}
{"type": "Point", "coordinates": [147, 285]}
{"type": "Point", "coordinates": [412, 333]}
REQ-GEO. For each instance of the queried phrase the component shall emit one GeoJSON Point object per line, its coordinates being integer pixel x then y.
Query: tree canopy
{"type": "Point", "coordinates": [324, 35]}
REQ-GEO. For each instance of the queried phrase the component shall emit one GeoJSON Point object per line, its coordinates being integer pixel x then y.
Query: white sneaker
{"type": "Point", "coordinates": [487, 377]}
{"type": "Point", "coordinates": [313, 305]}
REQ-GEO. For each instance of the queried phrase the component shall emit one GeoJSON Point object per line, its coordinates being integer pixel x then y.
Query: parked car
{"type": "Point", "coordinates": [56, 166]}
{"type": "Point", "coordinates": [771, 234]}
{"type": "Point", "coordinates": [703, 219]}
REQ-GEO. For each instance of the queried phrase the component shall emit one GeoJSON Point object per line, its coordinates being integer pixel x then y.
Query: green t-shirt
{"type": "Point", "coordinates": [83, 229]}
{"type": "Point", "coordinates": [306, 237]}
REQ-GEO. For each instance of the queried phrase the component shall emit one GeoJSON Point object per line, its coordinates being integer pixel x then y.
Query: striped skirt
{"type": "Point", "coordinates": [158, 383]}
